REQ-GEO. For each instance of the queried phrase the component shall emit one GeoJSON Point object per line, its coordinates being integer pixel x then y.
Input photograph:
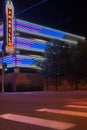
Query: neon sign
{"type": "Point", "coordinates": [9, 48]}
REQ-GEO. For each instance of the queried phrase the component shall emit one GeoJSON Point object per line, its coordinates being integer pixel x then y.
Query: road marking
{"type": "Point", "coordinates": [83, 103]}
{"type": "Point", "coordinates": [66, 112]}
{"type": "Point", "coordinates": [76, 106]}
{"type": "Point", "coordinates": [57, 125]}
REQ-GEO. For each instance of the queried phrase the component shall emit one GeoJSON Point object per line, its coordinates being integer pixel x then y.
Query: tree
{"type": "Point", "coordinates": [56, 54]}
{"type": "Point", "coordinates": [65, 61]}
{"type": "Point", "coordinates": [77, 69]}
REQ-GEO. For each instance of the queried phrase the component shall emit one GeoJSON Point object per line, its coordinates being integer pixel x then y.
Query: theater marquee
{"type": "Point", "coordinates": [9, 47]}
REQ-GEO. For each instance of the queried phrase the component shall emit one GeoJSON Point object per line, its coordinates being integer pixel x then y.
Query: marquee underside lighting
{"type": "Point", "coordinates": [42, 30]}
{"type": "Point", "coordinates": [27, 44]}
{"type": "Point", "coordinates": [21, 60]}
{"type": "Point", "coordinates": [28, 27]}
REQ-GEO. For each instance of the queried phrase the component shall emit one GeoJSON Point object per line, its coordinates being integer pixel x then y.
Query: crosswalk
{"type": "Point", "coordinates": [49, 123]}
{"type": "Point", "coordinates": [74, 113]}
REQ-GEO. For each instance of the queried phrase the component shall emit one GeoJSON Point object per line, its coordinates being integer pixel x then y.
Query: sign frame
{"type": "Point", "coordinates": [9, 27]}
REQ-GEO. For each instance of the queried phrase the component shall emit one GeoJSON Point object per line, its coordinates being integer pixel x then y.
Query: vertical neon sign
{"type": "Point", "coordinates": [9, 10]}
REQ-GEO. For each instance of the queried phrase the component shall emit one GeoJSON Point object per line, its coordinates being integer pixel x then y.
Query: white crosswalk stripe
{"type": "Point", "coordinates": [66, 112]}
{"type": "Point", "coordinates": [76, 106]}
{"type": "Point", "coordinates": [56, 125]}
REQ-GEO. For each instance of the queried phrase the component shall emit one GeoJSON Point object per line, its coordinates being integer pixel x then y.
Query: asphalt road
{"type": "Point", "coordinates": [43, 110]}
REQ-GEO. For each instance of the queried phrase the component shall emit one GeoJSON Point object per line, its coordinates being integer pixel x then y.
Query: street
{"type": "Point", "coordinates": [43, 110]}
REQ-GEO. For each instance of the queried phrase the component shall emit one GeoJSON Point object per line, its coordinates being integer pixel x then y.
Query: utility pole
{"type": "Point", "coordinates": [3, 75]}
{"type": "Point", "coordinates": [8, 33]}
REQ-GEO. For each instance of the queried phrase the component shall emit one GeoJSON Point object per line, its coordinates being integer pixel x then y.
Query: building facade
{"type": "Point", "coordinates": [30, 41]}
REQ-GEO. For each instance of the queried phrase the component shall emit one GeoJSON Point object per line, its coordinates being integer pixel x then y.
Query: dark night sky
{"type": "Point", "coordinates": [64, 15]}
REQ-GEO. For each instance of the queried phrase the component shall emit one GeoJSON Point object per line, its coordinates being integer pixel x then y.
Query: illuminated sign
{"type": "Point", "coordinates": [9, 48]}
